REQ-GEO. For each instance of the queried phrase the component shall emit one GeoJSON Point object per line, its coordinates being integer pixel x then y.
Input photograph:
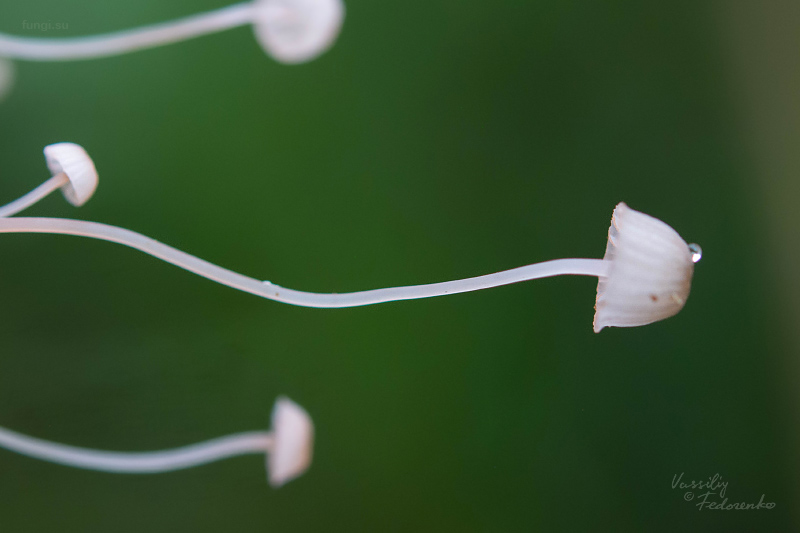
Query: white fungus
{"type": "Point", "coordinates": [292, 443]}
{"type": "Point", "coordinates": [645, 275]}
{"type": "Point", "coordinates": [288, 447]}
{"type": "Point", "coordinates": [295, 31]}
{"type": "Point", "coordinates": [72, 171]}
{"type": "Point", "coordinates": [73, 161]}
{"type": "Point", "coordinates": [650, 272]}
{"type": "Point", "coordinates": [291, 31]}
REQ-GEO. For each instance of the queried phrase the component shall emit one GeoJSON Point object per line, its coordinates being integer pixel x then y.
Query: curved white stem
{"type": "Point", "coordinates": [142, 462]}
{"type": "Point", "coordinates": [35, 49]}
{"type": "Point", "coordinates": [24, 202]}
{"type": "Point", "coordinates": [581, 267]}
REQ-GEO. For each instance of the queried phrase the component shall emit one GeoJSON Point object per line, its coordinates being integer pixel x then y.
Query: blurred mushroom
{"type": "Point", "coordinates": [289, 448]}
{"type": "Point", "coordinates": [291, 31]}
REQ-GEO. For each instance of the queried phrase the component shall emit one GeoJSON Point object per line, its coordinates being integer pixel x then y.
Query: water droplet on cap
{"type": "Point", "coordinates": [696, 251]}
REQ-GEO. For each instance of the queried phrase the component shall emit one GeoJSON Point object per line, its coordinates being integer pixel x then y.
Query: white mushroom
{"type": "Point", "coordinates": [295, 31]}
{"type": "Point", "coordinates": [73, 161]}
{"type": "Point", "coordinates": [288, 447]}
{"type": "Point", "coordinates": [292, 443]}
{"type": "Point", "coordinates": [72, 171]}
{"type": "Point", "coordinates": [650, 274]}
{"type": "Point", "coordinates": [291, 31]}
{"type": "Point", "coordinates": [645, 275]}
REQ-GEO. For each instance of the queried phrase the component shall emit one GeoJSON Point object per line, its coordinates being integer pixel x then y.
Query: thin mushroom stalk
{"type": "Point", "coordinates": [288, 448]}
{"type": "Point", "coordinates": [271, 291]}
{"type": "Point", "coordinates": [645, 275]}
{"type": "Point", "coordinates": [27, 200]}
{"type": "Point", "coordinates": [137, 462]}
{"type": "Point", "coordinates": [290, 31]}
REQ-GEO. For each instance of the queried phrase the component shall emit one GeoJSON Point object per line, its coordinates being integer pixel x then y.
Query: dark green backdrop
{"type": "Point", "coordinates": [436, 140]}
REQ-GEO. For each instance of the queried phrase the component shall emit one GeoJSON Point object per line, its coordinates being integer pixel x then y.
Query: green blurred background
{"type": "Point", "coordinates": [437, 140]}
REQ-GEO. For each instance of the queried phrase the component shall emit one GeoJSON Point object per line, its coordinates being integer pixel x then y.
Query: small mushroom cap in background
{"type": "Point", "coordinates": [650, 275]}
{"type": "Point", "coordinates": [293, 442]}
{"type": "Point", "coordinates": [295, 31]}
{"type": "Point", "coordinates": [7, 77]}
{"type": "Point", "coordinates": [72, 160]}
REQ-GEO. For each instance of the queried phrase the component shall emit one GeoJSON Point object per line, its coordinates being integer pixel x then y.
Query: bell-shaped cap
{"type": "Point", "coordinates": [293, 442]}
{"type": "Point", "coordinates": [295, 31]}
{"type": "Point", "coordinates": [650, 274]}
{"type": "Point", "coordinates": [72, 160]}
{"type": "Point", "coordinates": [7, 77]}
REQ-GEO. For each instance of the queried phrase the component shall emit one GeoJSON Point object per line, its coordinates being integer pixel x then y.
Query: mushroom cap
{"type": "Point", "coordinates": [293, 442]}
{"type": "Point", "coordinates": [650, 274]}
{"type": "Point", "coordinates": [7, 77]}
{"type": "Point", "coordinates": [295, 31]}
{"type": "Point", "coordinates": [72, 160]}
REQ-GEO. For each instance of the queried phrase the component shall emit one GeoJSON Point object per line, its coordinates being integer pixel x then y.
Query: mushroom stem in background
{"type": "Point", "coordinates": [292, 31]}
{"type": "Point", "coordinates": [140, 462]}
{"type": "Point", "coordinates": [77, 48]}
{"type": "Point", "coordinates": [24, 202]}
{"type": "Point", "coordinates": [289, 447]}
